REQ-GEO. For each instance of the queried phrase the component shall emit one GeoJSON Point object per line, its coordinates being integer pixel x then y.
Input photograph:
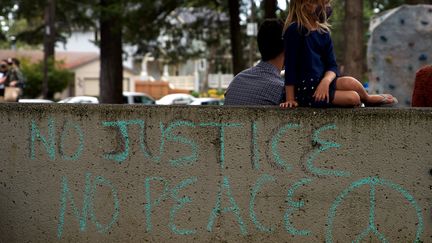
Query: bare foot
{"type": "Point", "coordinates": [381, 100]}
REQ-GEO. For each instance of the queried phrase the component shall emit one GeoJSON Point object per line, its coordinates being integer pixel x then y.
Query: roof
{"type": "Point", "coordinates": [71, 60]}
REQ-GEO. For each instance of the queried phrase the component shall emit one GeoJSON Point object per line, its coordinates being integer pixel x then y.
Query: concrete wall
{"type": "Point", "coordinates": [181, 174]}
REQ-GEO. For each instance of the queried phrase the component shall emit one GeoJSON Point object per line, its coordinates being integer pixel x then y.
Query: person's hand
{"type": "Point", "coordinates": [289, 104]}
{"type": "Point", "coordinates": [13, 84]}
{"type": "Point", "coordinates": [322, 91]}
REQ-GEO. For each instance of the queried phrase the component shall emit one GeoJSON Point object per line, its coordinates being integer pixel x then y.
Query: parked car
{"type": "Point", "coordinates": [34, 101]}
{"type": "Point", "coordinates": [176, 99]}
{"type": "Point", "coordinates": [207, 101]}
{"type": "Point", "coordinates": [137, 98]}
{"type": "Point", "coordinates": [80, 100]}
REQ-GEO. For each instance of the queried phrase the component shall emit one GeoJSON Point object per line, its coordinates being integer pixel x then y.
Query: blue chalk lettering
{"type": "Point", "coordinates": [100, 181]}
{"type": "Point", "coordinates": [373, 182]}
{"type": "Point", "coordinates": [187, 160]}
{"type": "Point", "coordinates": [123, 128]}
{"type": "Point", "coordinates": [222, 127]}
{"type": "Point", "coordinates": [263, 179]}
{"type": "Point", "coordinates": [158, 158]}
{"type": "Point", "coordinates": [149, 204]}
{"type": "Point", "coordinates": [48, 143]}
{"type": "Point", "coordinates": [275, 143]}
{"type": "Point", "coordinates": [325, 145]}
{"type": "Point", "coordinates": [66, 195]}
{"type": "Point", "coordinates": [295, 206]}
{"type": "Point", "coordinates": [225, 186]}
{"type": "Point", "coordinates": [87, 206]}
{"type": "Point", "coordinates": [80, 147]}
{"type": "Point", "coordinates": [179, 205]}
{"type": "Point", "coordinates": [255, 150]}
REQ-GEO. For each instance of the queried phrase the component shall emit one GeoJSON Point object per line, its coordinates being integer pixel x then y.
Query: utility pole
{"type": "Point", "coordinates": [49, 43]}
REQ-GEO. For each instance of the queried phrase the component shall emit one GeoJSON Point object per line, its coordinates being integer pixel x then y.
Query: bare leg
{"type": "Point", "coordinates": [350, 83]}
{"type": "Point", "coordinates": [346, 98]}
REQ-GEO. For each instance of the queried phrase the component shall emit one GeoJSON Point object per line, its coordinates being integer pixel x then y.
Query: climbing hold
{"type": "Point", "coordinates": [424, 22]}
{"type": "Point", "coordinates": [407, 102]}
{"type": "Point", "coordinates": [392, 87]}
{"type": "Point", "coordinates": [378, 79]}
{"type": "Point", "coordinates": [423, 57]}
{"type": "Point", "coordinates": [430, 172]}
{"type": "Point", "coordinates": [402, 21]}
{"type": "Point", "coordinates": [389, 59]}
{"type": "Point", "coordinates": [411, 44]}
{"type": "Point", "coordinates": [411, 68]}
{"type": "Point", "coordinates": [383, 38]}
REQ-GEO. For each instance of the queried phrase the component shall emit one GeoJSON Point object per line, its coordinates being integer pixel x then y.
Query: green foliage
{"type": "Point", "coordinates": [195, 94]}
{"type": "Point", "coordinates": [58, 78]}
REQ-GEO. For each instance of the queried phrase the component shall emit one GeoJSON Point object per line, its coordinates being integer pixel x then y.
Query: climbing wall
{"type": "Point", "coordinates": [399, 45]}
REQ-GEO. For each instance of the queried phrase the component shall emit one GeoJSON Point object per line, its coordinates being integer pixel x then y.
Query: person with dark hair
{"type": "Point", "coordinates": [263, 83]}
{"type": "Point", "coordinates": [10, 76]}
{"type": "Point", "coordinates": [17, 78]}
{"type": "Point", "coordinates": [4, 73]}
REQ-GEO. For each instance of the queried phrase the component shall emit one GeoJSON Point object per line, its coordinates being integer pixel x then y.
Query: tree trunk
{"type": "Point", "coordinates": [236, 37]}
{"type": "Point", "coordinates": [354, 45]}
{"type": "Point", "coordinates": [270, 7]}
{"type": "Point", "coordinates": [111, 62]}
{"type": "Point", "coordinates": [49, 44]}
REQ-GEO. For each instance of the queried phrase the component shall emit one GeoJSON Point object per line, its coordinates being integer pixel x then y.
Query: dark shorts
{"type": "Point", "coordinates": [305, 91]}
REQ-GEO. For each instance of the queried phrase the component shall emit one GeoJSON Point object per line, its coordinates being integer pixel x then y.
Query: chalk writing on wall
{"type": "Point", "coordinates": [42, 143]}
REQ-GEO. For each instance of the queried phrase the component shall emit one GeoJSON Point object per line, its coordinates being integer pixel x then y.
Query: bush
{"type": "Point", "coordinates": [58, 78]}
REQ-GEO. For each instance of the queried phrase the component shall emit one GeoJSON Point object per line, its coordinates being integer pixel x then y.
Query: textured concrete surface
{"type": "Point", "coordinates": [399, 45]}
{"type": "Point", "coordinates": [180, 174]}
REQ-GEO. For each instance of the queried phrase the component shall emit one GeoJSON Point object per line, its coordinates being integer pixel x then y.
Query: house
{"type": "Point", "coordinates": [399, 45]}
{"type": "Point", "coordinates": [84, 65]}
{"type": "Point", "coordinates": [182, 57]}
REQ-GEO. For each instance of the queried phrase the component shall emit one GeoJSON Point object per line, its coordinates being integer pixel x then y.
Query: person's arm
{"type": "Point", "coordinates": [330, 65]}
{"type": "Point", "coordinates": [322, 91]}
{"type": "Point", "coordinates": [292, 41]}
{"type": "Point", "coordinates": [14, 79]}
{"type": "Point", "coordinates": [290, 98]}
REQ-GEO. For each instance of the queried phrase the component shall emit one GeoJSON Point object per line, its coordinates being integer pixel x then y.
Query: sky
{"type": "Point", "coordinates": [282, 4]}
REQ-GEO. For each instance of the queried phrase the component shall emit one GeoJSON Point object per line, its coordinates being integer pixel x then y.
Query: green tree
{"type": "Point", "coordinates": [58, 78]}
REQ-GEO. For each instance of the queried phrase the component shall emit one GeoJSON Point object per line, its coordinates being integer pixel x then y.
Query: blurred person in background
{"type": "Point", "coordinates": [17, 78]}
{"type": "Point", "coordinates": [4, 68]}
{"type": "Point", "coordinates": [11, 76]}
{"type": "Point", "coordinates": [422, 95]}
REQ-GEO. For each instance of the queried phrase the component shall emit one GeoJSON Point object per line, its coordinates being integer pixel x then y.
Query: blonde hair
{"type": "Point", "coordinates": [300, 11]}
